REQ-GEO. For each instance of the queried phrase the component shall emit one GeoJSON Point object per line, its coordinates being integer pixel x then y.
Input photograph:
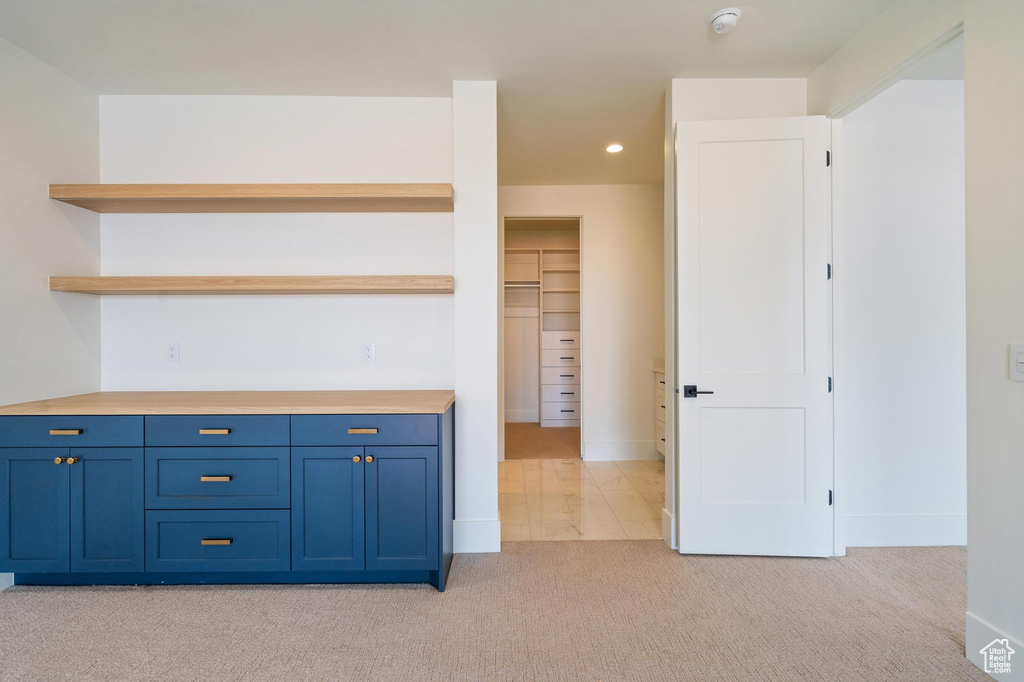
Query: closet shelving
{"type": "Point", "coordinates": [544, 282]}
{"type": "Point", "coordinates": [258, 198]}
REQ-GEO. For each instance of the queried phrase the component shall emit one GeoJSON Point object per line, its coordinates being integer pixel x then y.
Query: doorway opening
{"type": "Point", "coordinates": [543, 338]}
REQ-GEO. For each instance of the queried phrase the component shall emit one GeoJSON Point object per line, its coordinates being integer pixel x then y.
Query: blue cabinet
{"type": "Point", "coordinates": [402, 520]}
{"type": "Point", "coordinates": [107, 532]}
{"type": "Point", "coordinates": [34, 513]}
{"type": "Point", "coordinates": [328, 531]}
{"type": "Point", "coordinates": [77, 509]}
{"type": "Point", "coordinates": [227, 498]}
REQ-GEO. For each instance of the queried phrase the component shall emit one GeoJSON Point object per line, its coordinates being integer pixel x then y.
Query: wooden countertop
{"type": "Point", "coordinates": [239, 402]}
{"type": "Point", "coordinates": [659, 366]}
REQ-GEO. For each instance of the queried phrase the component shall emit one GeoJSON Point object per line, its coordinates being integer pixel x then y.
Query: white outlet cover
{"type": "Point", "coordinates": [369, 351]}
{"type": "Point", "coordinates": [172, 352]}
{"type": "Point", "coordinates": [1017, 362]}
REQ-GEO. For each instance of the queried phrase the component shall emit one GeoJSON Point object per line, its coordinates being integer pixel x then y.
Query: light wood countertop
{"type": "Point", "coordinates": [239, 402]}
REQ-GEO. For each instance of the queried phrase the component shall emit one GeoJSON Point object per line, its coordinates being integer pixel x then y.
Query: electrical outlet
{"type": "Point", "coordinates": [172, 352]}
{"type": "Point", "coordinates": [369, 351]}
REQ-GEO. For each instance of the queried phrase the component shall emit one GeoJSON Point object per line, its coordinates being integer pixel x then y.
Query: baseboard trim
{"type": "Point", "coordinates": [979, 634]}
{"type": "Point", "coordinates": [517, 416]}
{"type": "Point", "coordinates": [474, 536]}
{"type": "Point", "coordinates": [611, 451]}
{"type": "Point", "coordinates": [905, 530]}
{"type": "Point", "coordinates": [6, 580]}
{"type": "Point", "coordinates": [668, 529]}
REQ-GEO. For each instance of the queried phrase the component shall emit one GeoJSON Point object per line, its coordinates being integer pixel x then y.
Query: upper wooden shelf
{"type": "Point", "coordinates": [341, 284]}
{"type": "Point", "coordinates": [296, 198]}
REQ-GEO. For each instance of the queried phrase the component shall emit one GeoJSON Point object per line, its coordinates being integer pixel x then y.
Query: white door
{"type": "Point", "coordinates": [754, 240]}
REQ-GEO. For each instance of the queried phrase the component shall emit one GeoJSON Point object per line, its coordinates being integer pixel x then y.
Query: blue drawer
{"type": "Point", "coordinates": [204, 541]}
{"type": "Point", "coordinates": [218, 478]}
{"type": "Point", "coordinates": [364, 429]}
{"type": "Point", "coordinates": [70, 432]}
{"type": "Point", "coordinates": [218, 429]}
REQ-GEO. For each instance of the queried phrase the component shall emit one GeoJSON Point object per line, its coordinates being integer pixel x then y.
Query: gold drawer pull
{"type": "Point", "coordinates": [215, 479]}
{"type": "Point", "coordinates": [65, 432]}
{"type": "Point", "coordinates": [216, 541]}
{"type": "Point", "coordinates": [369, 459]}
{"type": "Point", "coordinates": [370, 431]}
{"type": "Point", "coordinates": [357, 459]}
{"type": "Point", "coordinates": [214, 432]}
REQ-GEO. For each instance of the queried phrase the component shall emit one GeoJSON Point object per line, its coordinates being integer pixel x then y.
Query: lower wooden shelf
{"type": "Point", "coordinates": [274, 284]}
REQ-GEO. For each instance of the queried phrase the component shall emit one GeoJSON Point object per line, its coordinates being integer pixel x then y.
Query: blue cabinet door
{"type": "Point", "coordinates": [402, 518]}
{"type": "Point", "coordinates": [107, 510]}
{"type": "Point", "coordinates": [327, 509]}
{"type": "Point", "coordinates": [34, 510]}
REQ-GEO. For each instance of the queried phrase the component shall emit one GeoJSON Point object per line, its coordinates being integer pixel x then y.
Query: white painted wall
{"type": "Point", "coordinates": [622, 304]}
{"type": "Point", "coordinates": [49, 132]}
{"type": "Point", "coordinates": [268, 342]}
{"type": "Point", "coordinates": [900, 407]}
{"type": "Point", "coordinates": [313, 342]}
{"type": "Point", "coordinates": [994, 146]}
{"type": "Point", "coordinates": [477, 316]}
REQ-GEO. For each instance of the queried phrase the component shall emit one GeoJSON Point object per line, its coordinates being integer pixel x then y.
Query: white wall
{"type": "Point", "coordinates": [268, 342]}
{"type": "Point", "coordinates": [477, 316]}
{"type": "Point", "coordinates": [900, 407]}
{"type": "Point", "coordinates": [49, 133]}
{"type": "Point", "coordinates": [622, 303]}
{"type": "Point", "coordinates": [994, 98]}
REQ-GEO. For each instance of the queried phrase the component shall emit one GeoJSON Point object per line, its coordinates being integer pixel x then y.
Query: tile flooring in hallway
{"type": "Point", "coordinates": [569, 499]}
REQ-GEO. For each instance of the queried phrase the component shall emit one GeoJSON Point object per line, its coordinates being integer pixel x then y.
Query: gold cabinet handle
{"type": "Point", "coordinates": [215, 479]}
{"type": "Point", "coordinates": [369, 458]}
{"type": "Point", "coordinates": [65, 432]}
{"type": "Point", "coordinates": [72, 460]}
{"type": "Point", "coordinates": [369, 431]}
{"type": "Point", "coordinates": [356, 459]}
{"type": "Point", "coordinates": [216, 541]}
{"type": "Point", "coordinates": [214, 432]}
{"type": "Point", "coordinates": [59, 460]}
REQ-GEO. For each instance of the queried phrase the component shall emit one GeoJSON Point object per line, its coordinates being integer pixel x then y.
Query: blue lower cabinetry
{"type": "Point", "coordinates": [289, 500]}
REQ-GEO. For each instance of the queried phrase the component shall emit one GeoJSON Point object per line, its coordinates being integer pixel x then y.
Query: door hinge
{"type": "Point", "coordinates": [828, 271]}
{"type": "Point", "coordinates": [830, 498]}
{"type": "Point", "coordinates": [830, 384]}
{"type": "Point", "coordinates": [828, 158]}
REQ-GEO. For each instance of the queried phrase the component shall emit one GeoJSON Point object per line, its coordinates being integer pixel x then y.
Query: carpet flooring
{"type": "Point", "coordinates": [537, 611]}
{"type": "Point", "coordinates": [524, 440]}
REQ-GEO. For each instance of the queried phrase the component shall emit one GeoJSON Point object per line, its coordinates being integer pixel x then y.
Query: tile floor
{"type": "Point", "coordinates": [568, 499]}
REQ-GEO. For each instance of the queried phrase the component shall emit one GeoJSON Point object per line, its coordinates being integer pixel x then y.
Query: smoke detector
{"type": "Point", "coordinates": [725, 20]}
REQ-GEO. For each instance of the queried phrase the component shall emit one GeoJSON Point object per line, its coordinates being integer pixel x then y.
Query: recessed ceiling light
{"type": "Point", "coordinates": [613, 148]}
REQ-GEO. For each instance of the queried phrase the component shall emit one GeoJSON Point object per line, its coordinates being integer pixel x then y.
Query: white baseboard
{"type": "Point", "coordinates": [611, 451]}
{"type": "Point", "coordinates": [905, 530]}
{"type": "Point", "coordinates": [668, 529]}
{"type": "Point", "coordinates": [517, 416]}
{"type": "Point", "coordinates": [474, 536]}
{"type": "Point", "coordinates": [979, 634]}
{"type": "Point", "coordinates": [6, 580]}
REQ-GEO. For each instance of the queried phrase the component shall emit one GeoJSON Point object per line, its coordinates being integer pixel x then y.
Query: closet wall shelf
{"type": "Point", "coordinates": [276, 284]}
{"type": "Point", "coordinates": [259, 198]}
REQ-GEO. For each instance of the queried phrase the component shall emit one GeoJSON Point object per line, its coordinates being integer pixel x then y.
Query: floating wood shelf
{"type": "Point", "coordinates": [561, 310]}
{"type": "Point", "coordinates": [561, 291]}
{"type": "Point", "coordinates": [346, 284]}
{"type": "Point", "coordinates": [561, 270]}
{"type": "Point", "coordinates": [294, 198]}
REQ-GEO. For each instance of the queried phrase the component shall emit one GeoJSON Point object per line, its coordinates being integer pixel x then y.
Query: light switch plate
{"type": "Point", "coordinates": [1017, 362]}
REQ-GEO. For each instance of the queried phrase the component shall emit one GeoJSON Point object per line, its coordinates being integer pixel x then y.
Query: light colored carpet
{"type": "Point", "coordinates": [524, 440]}
{"type": "Point", "coordinates": [574, 610]}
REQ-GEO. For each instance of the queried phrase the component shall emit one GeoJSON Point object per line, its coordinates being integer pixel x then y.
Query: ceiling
{"type": "Point", "coordinates": [573, 75]}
